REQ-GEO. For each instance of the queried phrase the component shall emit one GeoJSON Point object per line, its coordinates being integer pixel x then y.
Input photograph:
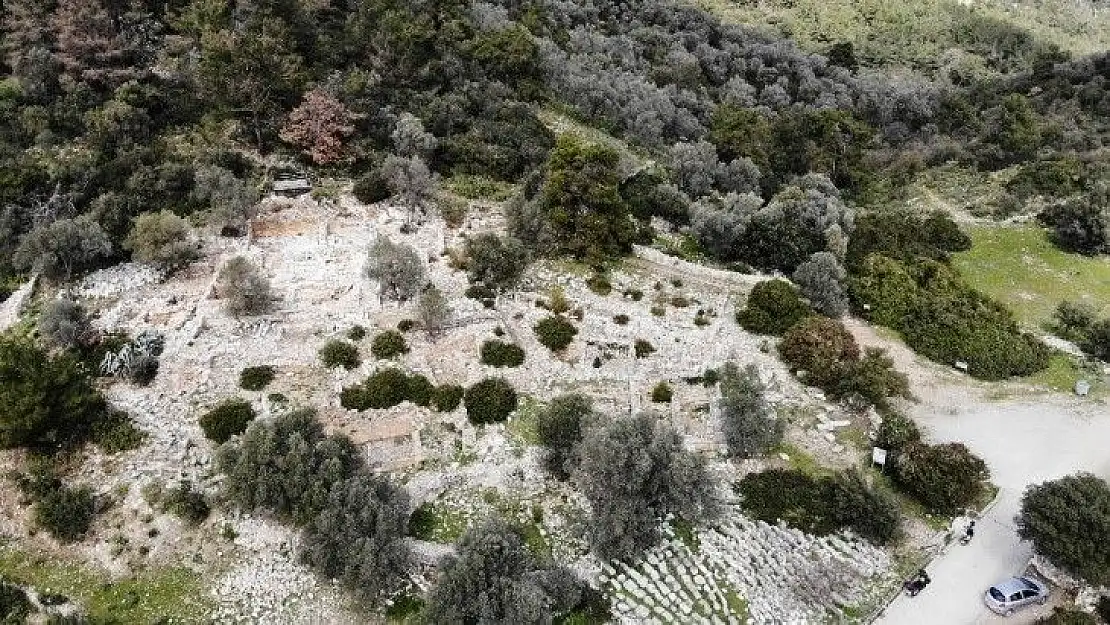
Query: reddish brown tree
{"type": "Point", "coordinates": [319, 126]}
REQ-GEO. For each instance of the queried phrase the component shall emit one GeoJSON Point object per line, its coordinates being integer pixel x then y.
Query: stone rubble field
{"type": "Point", "coordinates": [314, 258]}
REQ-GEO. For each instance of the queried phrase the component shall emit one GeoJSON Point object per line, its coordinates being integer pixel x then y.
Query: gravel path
{"type": "Point", "coordinates": [1025, 440]}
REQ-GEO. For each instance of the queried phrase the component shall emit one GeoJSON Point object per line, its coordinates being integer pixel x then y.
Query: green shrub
{"type": "Point", "coordinates": [896, 432]}
{"type": "Point", "coordinates": [490, 401]}
{"type": "Point", "coordinates": [336, 353]}
{"type": "Point", "coordinates": [821, 504]}
{"type": "Point", "coordinates": [945, 478]}
{"type": "Point", "coordinates": [256, 378]}
{"type": "Point", "coordinates": [620, 319]}
{"type": "Point", "coordinates": [1073, 320]}
{"type": "Point", "coordinates": [186, 503]}
{"type": "Point", "coordinates": [356, 333]}
{"type": "Point", "coordinates": [45, 399]}
{"type": "Point", "coordinates": [559, 428]}
{"type": "Point", "coordinates": [634, 294]}
{"type": "Point", "coordinates": [499, 354]}
{"type": "Point", "coordinates": [385, 388]}
{"type": "Point", "coordinates": [1097, 341]}
{"type": "Point", "coordinates": [447, 397]}
{"type": "Point", "coordinates": [643, 348]}
{"type": "Point", "coordinates": [1062, 517]}
{"type": "Point", "coordinates": [772, 308]}
{"type": "Point", "coordinates": [482, 293]}
{"type": "Point", "coordinates": [371, 187]}
{"type": "Point", "coordinates": [116, 432]}
{"type": "Point", "coordinates": [872, 379]}
{"type": "Point", "coordinates": [662, 393]}
{"type": "Point", "coordinates": [1103, 608]}
{"type": "Point", "coordinates": [419, 390]}
{"type": "Point", "coordinates": [943, 319]}
{"type": "Point", "coordinates": [15, 607]}
{"type": "Point", "coordinates": [227, 419]}
{"type": "Point", "coordinates": [388, 344]}
{"type": "Point", "coordinates": [658, 311]}
{"type": "Point", "coordinates": [555, 332]}
{"type": "Point", "coordinates": [599, 284]}
{"type": "Point", "coordinates": [423, 521]}
{"type": "Point", "coordinates": [821, 347]}
{"type": "Point", "coordinates": [66, 513]}
{"type": "Point", "coordinates": [405, 325]}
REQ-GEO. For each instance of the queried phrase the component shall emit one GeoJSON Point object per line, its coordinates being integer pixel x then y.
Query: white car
{"type": "Point", "coordinates": [1014, 593]}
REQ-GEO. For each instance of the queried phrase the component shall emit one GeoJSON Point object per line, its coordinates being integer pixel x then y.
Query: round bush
{"type": "Point", "coordinates": [384, 389]}
{"type": "Point", "coordinates": [772, 307]}
{"type": "Point", "coordinates": [555, 333]}
{"type": "Point", "coordinates": [662, 393]}
{"type": "Point", "coordinates": [371, 187]}
{"type": "Point", "coordinates": [490, 401]}
{"type": "Point", "coordinates": [356, 333]}
{"type": "Point", "coordinates": [66, 513]}
{"type": "Point", "coordinates": [256, 378]}
{"type": "Point", "coordinates": [1063, 517]}
{"type": "Point", "coordinates": [14, 604]}
{"type": "Point", "coordinates": [226, 420]}
{"type": "Point", "coordinates": [419, 390]}
{"type": "Point", "coordinates": [945, 478]}
{"type": "Point", "coordinates": [821, 347]}
{"type": "Point", "coordinates": [500, 354]}
{"type": "Point", "coordinates": [620, 319]}
{"type": "Point", "coordinates": [897, 431]}
{"type": "Point", "coordinates": [389, 344]}
{"type": "Point", "coordinates": [447, 397]}
{"type": "Point", "coordinates": [336, 353]}
{"type": "Point", "coordinates": [643, 348]}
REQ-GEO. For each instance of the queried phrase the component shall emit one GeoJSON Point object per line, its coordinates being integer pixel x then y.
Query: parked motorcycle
{"type": "Point", "coordinates": [917, 583]}
{"type": "Point", "coordinates": [969, 533]}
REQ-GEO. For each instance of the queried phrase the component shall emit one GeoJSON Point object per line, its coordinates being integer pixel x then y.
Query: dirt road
{"type": "Point", "coordinates": [1025, 439]}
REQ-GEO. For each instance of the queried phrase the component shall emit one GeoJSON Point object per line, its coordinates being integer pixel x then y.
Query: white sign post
{"type": "Point", "coordinates": [878, 456]}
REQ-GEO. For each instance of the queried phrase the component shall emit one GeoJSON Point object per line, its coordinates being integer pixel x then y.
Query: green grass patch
{"type": "Point", "coordinates": [1064, 370]}
{"type": "Point", "coordinates": [170, 595]}
{"type": "Point", "coordinates": [437, 523]}
{"type": "Point", "coordinates": [480, 188]}
{"type": "Point", "coordinates": [801, 461]}
{"type": "Point", "coordinates": [521, 426]}
{"type": "Point", "coordinates": [1019, 267]}
{"type": "Point", "coordinates": [737, 605]}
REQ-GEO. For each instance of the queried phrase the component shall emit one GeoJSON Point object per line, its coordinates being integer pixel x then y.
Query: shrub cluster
{"type": "Point", "coordinates": [353, 522]}
{"type": "Point", "coordinates": [945, 478]}
{"type": "Point", "coordinates": [1062, 517]}
{"type": "Point", "coordinates": [560, 427]}
{"type": "Point", "coordinates": [115, 432]}
{"type": "Point", "coordinates": [186, 503]}
{"type": "Point", "coordinates": [336, 353]}
{"type": "Point", "coordinates": [772, 308]}
{"type": "Point", "coordinates": [662, 393]}
{"type": "Point", "coordinates": [45, 400]}
{"type": "Point", "coordinates": [942, 318]}
{"type": "Point", "coordinates": [821, 504]}
{"type": "Point", "coordinates": [750, 426]}
{"type": "Point", "coordinates": [500, 354]}
{"type": "Point", "coordinates": [1077, 323]}
{"type": "Point", "coordinates": [490, 401]}
{"type": "Point", "coordinates": [66, 513]}
{"type": "Point", "coordinates": [256, 378]}
{"type": "Point", "coordinates": [555, 333]}
{"type": "Point", "coordinates": [389, 387]}
{"type": "Point", "coordinates": [388, 344]}
{"type": "Point", "coordinates": [227, 419]}
{"type": "Point", "coordinates": [827, 353]}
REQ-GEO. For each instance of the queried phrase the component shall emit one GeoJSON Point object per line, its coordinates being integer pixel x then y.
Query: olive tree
{"type": "Point", "coordinates": [162, 240]}
{"type": "Point", "coordinates": [60, 249]}
{"type": "Point", "coordinates": [243, 288]}
{"type": "Point", "coordinates": [821, 281]}
{"type": "Point", "coordinates": [495, 578]}
{"type": "Point", "coordinates": [635, 471]}
{"type": "Point", "coordinates": [750, 426]}
{"type": "Point", "coordinates": [397, 268]}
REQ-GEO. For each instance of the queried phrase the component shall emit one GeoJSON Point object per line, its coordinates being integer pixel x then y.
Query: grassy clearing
{"type": "Point", "coordinates": [172, 595]}
{"type": "Point", "coordinates": [917, 32]}
{"type": "Point", "coordinates": [801, 461]}
{"type": "Point", "coordinates": [521, 426]}
{"type": "Point", "coordinates": [1065, 370]}
{"type": "Point", "coordinates": [1019, 267]}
